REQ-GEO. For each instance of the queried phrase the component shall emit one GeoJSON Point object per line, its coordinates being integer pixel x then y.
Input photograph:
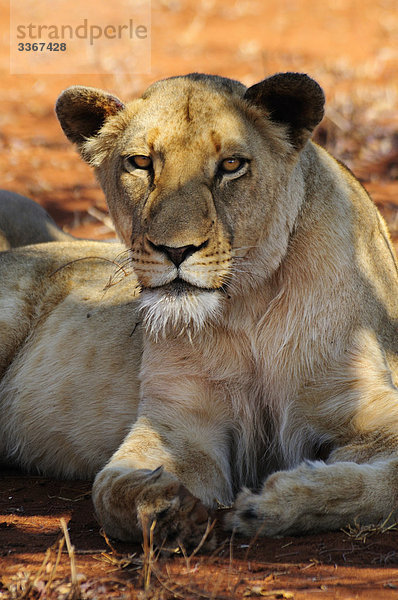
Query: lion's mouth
{"type": "Point", "coordinates": [178, 306]}
{"type": "Point", "coordinates": [180, 287]}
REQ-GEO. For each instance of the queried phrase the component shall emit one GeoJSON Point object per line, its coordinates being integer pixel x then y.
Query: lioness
{"type": "Point", "coordinates": [246, 337]}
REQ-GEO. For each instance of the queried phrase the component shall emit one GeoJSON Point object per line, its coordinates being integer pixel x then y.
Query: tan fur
{"type": "Point", "coordinates": [271, 363]}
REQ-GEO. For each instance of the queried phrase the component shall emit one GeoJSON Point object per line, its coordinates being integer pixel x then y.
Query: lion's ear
{"type": "Point", "coordinates": [82, 111]}
{"type": "Point", "coordinates": [293, 99]}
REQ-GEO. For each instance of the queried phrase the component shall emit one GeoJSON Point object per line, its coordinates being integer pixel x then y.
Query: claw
{"type": "Point", "coordinates": [249, 513]}
{"type": "Point", "coordinates": [156, 473]}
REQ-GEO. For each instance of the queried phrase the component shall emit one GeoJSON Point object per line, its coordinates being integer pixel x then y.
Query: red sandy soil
{"type": "Point", "coordinates": [350, 47]}
{"type": "Point", "coordinates": [334, 565]}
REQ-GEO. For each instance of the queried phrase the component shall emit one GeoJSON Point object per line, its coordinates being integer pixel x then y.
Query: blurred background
{"type": "Point", "coordinates": [349, 46]}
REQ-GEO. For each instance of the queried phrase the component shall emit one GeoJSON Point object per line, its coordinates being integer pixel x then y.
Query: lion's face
{"type": "Point", "coordinates": [198, 183]}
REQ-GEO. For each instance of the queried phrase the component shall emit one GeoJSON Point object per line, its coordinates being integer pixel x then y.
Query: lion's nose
{"type": "Point", "coordinates": [179, 254]}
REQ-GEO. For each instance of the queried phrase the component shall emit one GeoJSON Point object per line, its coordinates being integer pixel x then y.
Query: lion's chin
{"type": "Point", "coordinates": [178, 308]}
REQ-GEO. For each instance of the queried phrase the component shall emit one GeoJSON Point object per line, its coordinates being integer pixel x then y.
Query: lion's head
{"type": "Point", "coordinates": [201, 179]}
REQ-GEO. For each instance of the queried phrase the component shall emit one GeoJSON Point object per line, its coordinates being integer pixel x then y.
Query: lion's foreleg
{"type": "Point", "coordinates": [357, 404]}
{"type": "Point", "coordinates": [166, 474]}
{"type": "Point", "coordinates": [317, 496]}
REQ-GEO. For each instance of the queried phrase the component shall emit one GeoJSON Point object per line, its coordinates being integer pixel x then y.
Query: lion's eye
{"type": "Point", "coordinates": [231, 165]}
{"type": "Point", "coordinates": [139, 161]}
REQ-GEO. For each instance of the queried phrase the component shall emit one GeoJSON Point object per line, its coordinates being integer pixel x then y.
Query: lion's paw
{"type": "Point", "coordinates": [126, 501]}
{"type": "Point", "coordinates": [244, 516]}
{"type": "Point", "coordinates": [256, 514]}
{"type": "Point", "coordinates": [296, 502]}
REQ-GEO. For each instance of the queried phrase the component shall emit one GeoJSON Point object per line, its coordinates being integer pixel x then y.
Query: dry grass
{"type": "Point", "coordinates": [27, 585]}
{"type": "Point", "coordinates": [148, 578]}
{"type": "Point", "coordinates": [361, 533]}
{"type": "Point", "coordinates": [46, 583]}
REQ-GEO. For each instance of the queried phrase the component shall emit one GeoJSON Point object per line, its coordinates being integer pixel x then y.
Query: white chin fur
{"type": "Point", "coordinates": [164, 313]}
